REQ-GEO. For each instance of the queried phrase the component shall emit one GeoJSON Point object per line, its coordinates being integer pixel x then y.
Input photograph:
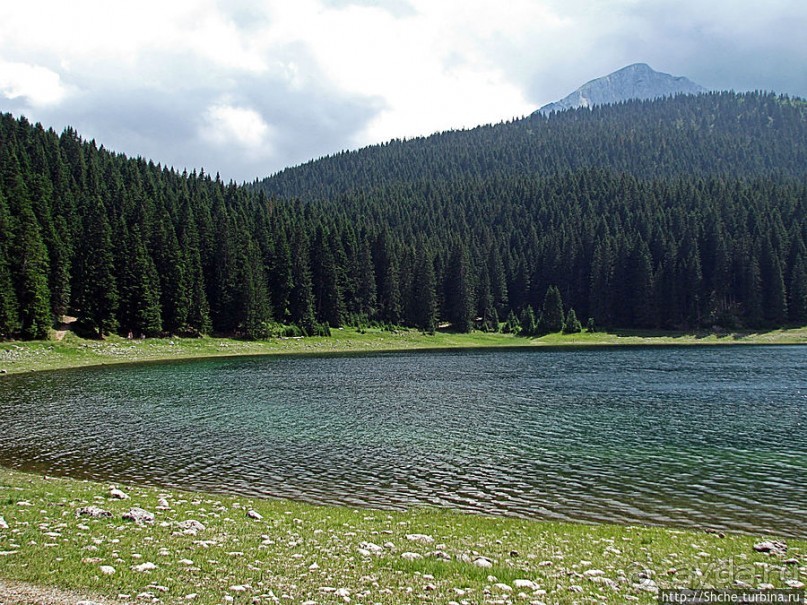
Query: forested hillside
{"type": "Point", "coordinates": [682, 213]}
{"type": "Point", "coordinates": [716, 134]}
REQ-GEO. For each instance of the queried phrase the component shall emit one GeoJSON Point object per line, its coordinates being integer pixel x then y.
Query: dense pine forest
{"type": "Point", "coordinates": [683, 213]}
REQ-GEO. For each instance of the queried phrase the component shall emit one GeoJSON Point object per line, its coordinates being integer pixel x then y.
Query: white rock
{"type": "Point", "coordinates": [593, 573]}
{"type": "Point", "coordinates": [139, 516]}
{"type": "Point", "coordinates": [162, 504]}
{"type": "Point", "coordinates": [794, 584]}
{"type": "Point", "coordinates": [92, 511]}
{"type": "Point", "coordinates": [238, 588]}
{"type": "Point", "coordinates": [107, 570]}
{"type": "Point", "coordinates": [3, 524]}
{"type": "Point", "coordinates": [148, 566]}
{"type": "Point", "coordinates": [314, 566]}
{"type": "Point", "coordinates": [252, 514]}
{"type": "Point", "coordinates": [191, 525]}
{"type": "Point", "coordinates": [483, 562]}
{"type": "Point", "coordinates": [503, 587]}
{"type": "Point", "coordinates": [114, 492]}
{"type": "Point", "coordinates": [422, 538]}
{"type": "Point", "coordinates": [372, 547]}
{"type": "Point", "coordinates": [528, 584]}
{"type": "Point", "coordinates": [411, 556]}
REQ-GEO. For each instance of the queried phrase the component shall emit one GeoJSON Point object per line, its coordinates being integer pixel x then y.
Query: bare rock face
{"type": "Point", "coordinates": [92, 511]}
{"type": "Point", "coordinates": [139, 516]}
{"type": "Point", "coordinates": [638, 81]}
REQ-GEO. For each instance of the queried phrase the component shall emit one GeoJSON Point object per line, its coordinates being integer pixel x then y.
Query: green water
{"type": "Point", "coordinates": [696, 436]}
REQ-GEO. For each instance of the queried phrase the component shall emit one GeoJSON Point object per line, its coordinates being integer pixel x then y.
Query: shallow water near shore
{"type": "Point", "coordinates": [694, 436]}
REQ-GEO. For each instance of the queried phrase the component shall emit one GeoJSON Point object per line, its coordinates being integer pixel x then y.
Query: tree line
{"type": "Point", "coordinates": [130, 246]}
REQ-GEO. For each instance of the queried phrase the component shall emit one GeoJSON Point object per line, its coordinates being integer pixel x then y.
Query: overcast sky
{"type": "Point", "coordinates": [246, 88]}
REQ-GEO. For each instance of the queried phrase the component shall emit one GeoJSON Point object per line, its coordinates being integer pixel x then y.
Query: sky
{"type": "Point", "coordinates": [247, 88]}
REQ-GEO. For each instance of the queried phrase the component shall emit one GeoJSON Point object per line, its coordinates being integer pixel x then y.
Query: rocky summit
{"type": "Point", "coordinates": [637, 81]}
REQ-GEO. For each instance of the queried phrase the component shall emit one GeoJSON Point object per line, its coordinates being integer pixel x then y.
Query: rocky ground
{"type": "Point", "coordinates": [131, 545]}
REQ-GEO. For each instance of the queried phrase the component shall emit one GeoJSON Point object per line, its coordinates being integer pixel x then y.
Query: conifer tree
{"type": "Point", "coordinates": [572, 325]}
{"type": "Point", "coordinates": [424, 294]}
{"type": "Point", "coordinates": [552, 310]}
{"type": "Point", "coordinates": [98, 297]}
{"type": "Point", "coordinates": [459, 289]}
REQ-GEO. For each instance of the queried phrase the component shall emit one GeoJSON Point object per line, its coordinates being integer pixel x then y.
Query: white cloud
{"type": "Point", "coordinates": [37, 85]}
{"type": "Point", "coordinates": [236, 126]}
{"type": "Point", "coordinates": [250, 86]}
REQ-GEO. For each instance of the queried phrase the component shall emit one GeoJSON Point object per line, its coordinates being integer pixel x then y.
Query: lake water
{"type": "Point", "coordinates": [695, 436]}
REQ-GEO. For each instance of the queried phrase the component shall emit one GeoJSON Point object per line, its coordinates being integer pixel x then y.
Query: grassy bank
{"type": "Point", "coordinates": [73, 351]}
{"type": "Point", "coordinates": [296, 552]}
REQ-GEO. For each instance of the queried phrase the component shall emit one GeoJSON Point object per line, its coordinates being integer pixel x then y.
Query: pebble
{"type": "Point", "coordinates": [107, 570]}
{"type": "Point", "coordinates": [528, 584]}
{"type": "Point", "coordinates": [411, 556]}
{"type": "Point", "coordinates": [3, 524]}
{"type": "Point", "coordinates": [483, 562]}
{"type": "Point", "coordinates": [148, 566]}
{"type": "Point", "coordinates": [252, 514]}
{"type": "Point", "coordinates": [795, 584]}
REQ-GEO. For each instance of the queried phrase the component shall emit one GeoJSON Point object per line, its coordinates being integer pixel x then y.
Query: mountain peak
{"type": "Point", "coordinates": [636, 81]}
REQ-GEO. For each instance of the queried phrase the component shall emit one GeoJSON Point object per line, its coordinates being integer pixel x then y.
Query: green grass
{"type": "Point", "coordinates": [300, 552]}
{"type": "Point", "coordinates": [75, 352]}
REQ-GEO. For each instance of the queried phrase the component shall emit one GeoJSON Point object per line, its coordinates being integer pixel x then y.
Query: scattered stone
{"type": "Point", "coordinates": [791, 561]}
{"type": "Point", "coordinates": [191, 525]}
{"type": "Point", "coordinates": [252, 514]}
{"type": "Point", "coordinates": [371, 548]}
{"type": "Point", "coordinates": [422, 538]}
{"type": "Point", "coordinates": [593, 573]}
{"type": "Point", "coordinates": [92, 511]}
{"type": "Point", "coordinates": [238, 588]}
{"type": "Point", "coordinates": [107, 570]}
{"type": "Point", "coordinates": [411, 556]}
{"type": "Point", "coordinates": [139, 516]}
{"type": "Point", "coordinates": [440, 554]}
{"type": "Point", "coordinates": [483, 562]}
{"type": "Point", "coordinates": [314, 566]}
{"type": "Point", "coordinates": [117, 494]}
{"type": "Point", "coordinates": [87, 603]}
{"type": "Point", "coordinates": [646, 585]}
{"type": "Point", "coordinates": [771, 548]}
{"type": "Point", "coordinates": [525, 584]}
{"type": "Point", "coordinates": [3, 524]}
{"type": "Point", "coordinates": [794, 584]}
{"type": "Point", "coordinates": [148, 566]}
{"type": "Point", "coordinates": [503, 587]}
{"type": "Point", "coordinates": [576, 588]}
{"type": "Point", "coordinates": [162, 504]}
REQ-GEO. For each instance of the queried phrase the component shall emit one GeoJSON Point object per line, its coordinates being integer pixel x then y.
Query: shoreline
{"type": "Point", "coordinates": [75, 352]}
{"type": "Point", "coordinates": [207, 548]}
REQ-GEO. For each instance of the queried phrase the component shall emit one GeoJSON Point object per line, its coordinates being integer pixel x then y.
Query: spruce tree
{"type": "Point", "coordinates": [572, 325]}
{"type": "Point", "coordinates": [98, 297]}
{"type": "Point", "coordinates": [552, 310]}
{"type": "Point", "coordinates": [424, 295]}
{"type": "Point", "coordinates": [459, 289]}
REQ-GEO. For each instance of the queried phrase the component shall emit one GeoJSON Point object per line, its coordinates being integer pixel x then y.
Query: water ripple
{"type": "Point", "coordinates": [688, 437]}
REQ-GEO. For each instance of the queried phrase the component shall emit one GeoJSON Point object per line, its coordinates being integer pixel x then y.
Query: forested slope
{"type": "Point", "coordinates": [715, 134]}
{"type": "Point", "coordinates": [679, 213]}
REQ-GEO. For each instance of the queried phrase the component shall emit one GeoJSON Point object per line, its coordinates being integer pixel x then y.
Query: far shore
{"type": "Point", "coordinates": [72, 351]}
